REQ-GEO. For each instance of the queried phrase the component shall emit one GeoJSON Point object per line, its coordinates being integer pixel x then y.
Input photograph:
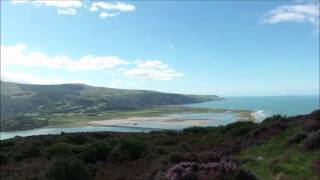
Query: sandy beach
{"type": "Point", "coordinates": [134, 121]}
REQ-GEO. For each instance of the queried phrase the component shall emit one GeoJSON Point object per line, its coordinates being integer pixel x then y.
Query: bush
{"type": "Point", "coordinates": [316, 167]}
{"type": "Point", "coordinates": [311, 125]}
{"type": "Point", "coordinates": [96, 151]}
{"type": "Point", "coordinates": [209, 156]}
{"type": "Point", "coordinates": [213, 170]}
{"type": "Point", "coordinates": [195, 130]}
{"type": "Point", "coordinates": [3, 159]}
{"type": "Point", "coordinates": [296, 138]}
{"type": "Point", "coordinates": [274, 118]}
{"type": "Point", "coordinates": [67, 169]}
{"type": "Point", "coordinates": [73, 138]}
{"type": "Point", "coordinates": [27, 150]}
{"type": "Point", "coordinates": [127, 150]}
{"type": "Point", "coordinates": [176, 157]}
{"type": "Point", "coordinates": [238, 128]}
{"type": "Point", "coordinates": [313, 141]}
{"type": "Point", "coordinates": [60, 150]}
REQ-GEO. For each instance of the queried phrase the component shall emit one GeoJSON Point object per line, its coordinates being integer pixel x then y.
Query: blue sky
{"type": "Point", "coordinates": [225, 48]}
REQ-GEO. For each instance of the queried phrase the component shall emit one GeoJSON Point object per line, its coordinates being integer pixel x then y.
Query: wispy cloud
{"type": "Point", "coordinates": [110, 9]}
{"type": "Point", "coordinates": [19, 55]}
{"type": "Point", "coordinates": [105, 14]}
{"type": "Point", "coordinates": [70, 7]}
{"type": "Point", "coordinates": [115, 83]}
{"type": "Point", "coordinates": [117, 6]}
{"type": "Point", "coordinates": [307, 13]}
{"type": "Point", "coordinates": [152, 69]}
{"type": "Point", "coordinates": [67, 7]}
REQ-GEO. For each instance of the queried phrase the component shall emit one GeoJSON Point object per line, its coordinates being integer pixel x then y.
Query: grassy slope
{"type": "Point", "coordinates": [41, 102]}
{"type": "Point", "coordinates": [47, 99]}
{"type": "Point", "coordinates": [275, 159]}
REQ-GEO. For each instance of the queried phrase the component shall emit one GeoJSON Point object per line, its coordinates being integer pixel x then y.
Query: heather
{"type": "Point", "coordinates": [278, 148]}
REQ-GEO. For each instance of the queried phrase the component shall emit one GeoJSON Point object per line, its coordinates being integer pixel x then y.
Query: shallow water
{"type": "Point", "coordinates": [43, 131]}
{"type": "Point", "coordinates": [212, 119]}
{"type": "Point", "coordinates": [264, 106]}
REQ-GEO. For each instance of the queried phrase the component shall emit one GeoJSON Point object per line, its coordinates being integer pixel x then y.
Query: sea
{"type": "Point", "coordinates": [267, 105]}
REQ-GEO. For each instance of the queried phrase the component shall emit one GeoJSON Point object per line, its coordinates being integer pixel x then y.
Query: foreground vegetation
{"type": "Point", "coordinates": [277, 148]}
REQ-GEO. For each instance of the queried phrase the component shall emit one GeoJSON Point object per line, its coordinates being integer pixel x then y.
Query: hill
{"type": "Point", "coordinates": [26, 106]}
{"type": "Point", "coordinates": [277, 148]}
{"type": "Point", "coordinates": [46, 99]}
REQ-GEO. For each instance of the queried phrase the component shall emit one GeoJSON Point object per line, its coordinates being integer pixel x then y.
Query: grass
{"type": "Point", "coordinates": [276, 160]}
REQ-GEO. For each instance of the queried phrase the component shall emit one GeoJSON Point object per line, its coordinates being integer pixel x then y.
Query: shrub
{"type": "Point", "coordinates": [161, 150]}
{"type": "Point", "coordinates": [73, 138]}
{"type": "Point", "coordinates": [27, 150]}
{"type": "Point", "coordinates": [311, 125]}
{"type": "Point", "coordinates": [273, 119]}
{"type": "Point", "coordinates": [67, 169]}
{"type": "Point", "coordinates": [60, 150]}
{"type": "Point", "coordinates": [296, 138]}
{"type": "Point", "coordinates": [176, 157]}
{"type": "Point", "coordinates": [127, 150]}
{"type": "Point", "coordinates": [96, 151]}
{"type": "Point", "coordinates": [209, 156]}
{"type": "Point", "coordinates": [214, 170]}
{"type": "Point", "coordinates": [316, 166]}
{"type": "Point", "coordinates": [312, 141]}
{"type": "Point", "coordinates": [3, 159]}
{"type": "Point", "coordinates": [195, 130]}
{"type": "Point", "coordinates": [238, 128]}
{"type": "Point", "coordinates": [171, 132]}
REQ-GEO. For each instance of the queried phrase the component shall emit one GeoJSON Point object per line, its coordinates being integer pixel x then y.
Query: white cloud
{"type": "Point", "coordinates": [67, 7]}
{"type": "Point", "coordinates": [19, 1]}
{"type": "Point", "coordinates": [93, 8]}
{"type": "Point", "coordinates": [308, 13]}
{"type": "Point", "coordinates": [152, 69]}
{"type": "Point", "coordinates": [33, 79]}
{"type": "Point", "coordinates": [118, 6]}
{"type": "Point", "coordinates": [59, 3]}
{"type": "Point", "coordinates": [111, 9]}
{"type": "Point", "coordinates": [115, 83]}
{"type": "Point", "coordinates": [18, 55]}
{"type": "Point", "coordinates": [152, 64]}
{"type": "Point", "coordinates": [69, 11]}
{"type": "Point", "coordinates": [105, 14]}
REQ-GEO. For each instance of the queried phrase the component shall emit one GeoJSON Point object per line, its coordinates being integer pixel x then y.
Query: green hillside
{"type": "Point", "coordinates": [21, 99]}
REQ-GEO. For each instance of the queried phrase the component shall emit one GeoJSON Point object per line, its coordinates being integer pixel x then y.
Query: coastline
{"type": "Point", "coordinates": [172, 118]}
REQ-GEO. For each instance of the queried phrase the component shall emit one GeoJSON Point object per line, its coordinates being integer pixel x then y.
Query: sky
{"type": "Point", "coordinates": [225, 48]}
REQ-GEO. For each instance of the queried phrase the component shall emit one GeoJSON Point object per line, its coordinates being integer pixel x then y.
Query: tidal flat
{"type": "Point", "coordinates": [172, 114]}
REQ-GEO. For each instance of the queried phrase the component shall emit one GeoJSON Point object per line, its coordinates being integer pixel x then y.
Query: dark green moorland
{"type": "Point", "coordinates": [281, 148]}
{"type": "Point", "coordinates": [27, 106]}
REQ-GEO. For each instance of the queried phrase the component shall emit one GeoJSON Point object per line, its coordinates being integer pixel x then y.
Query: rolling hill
{"type": "Point", "coordinates": [21, 99]}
